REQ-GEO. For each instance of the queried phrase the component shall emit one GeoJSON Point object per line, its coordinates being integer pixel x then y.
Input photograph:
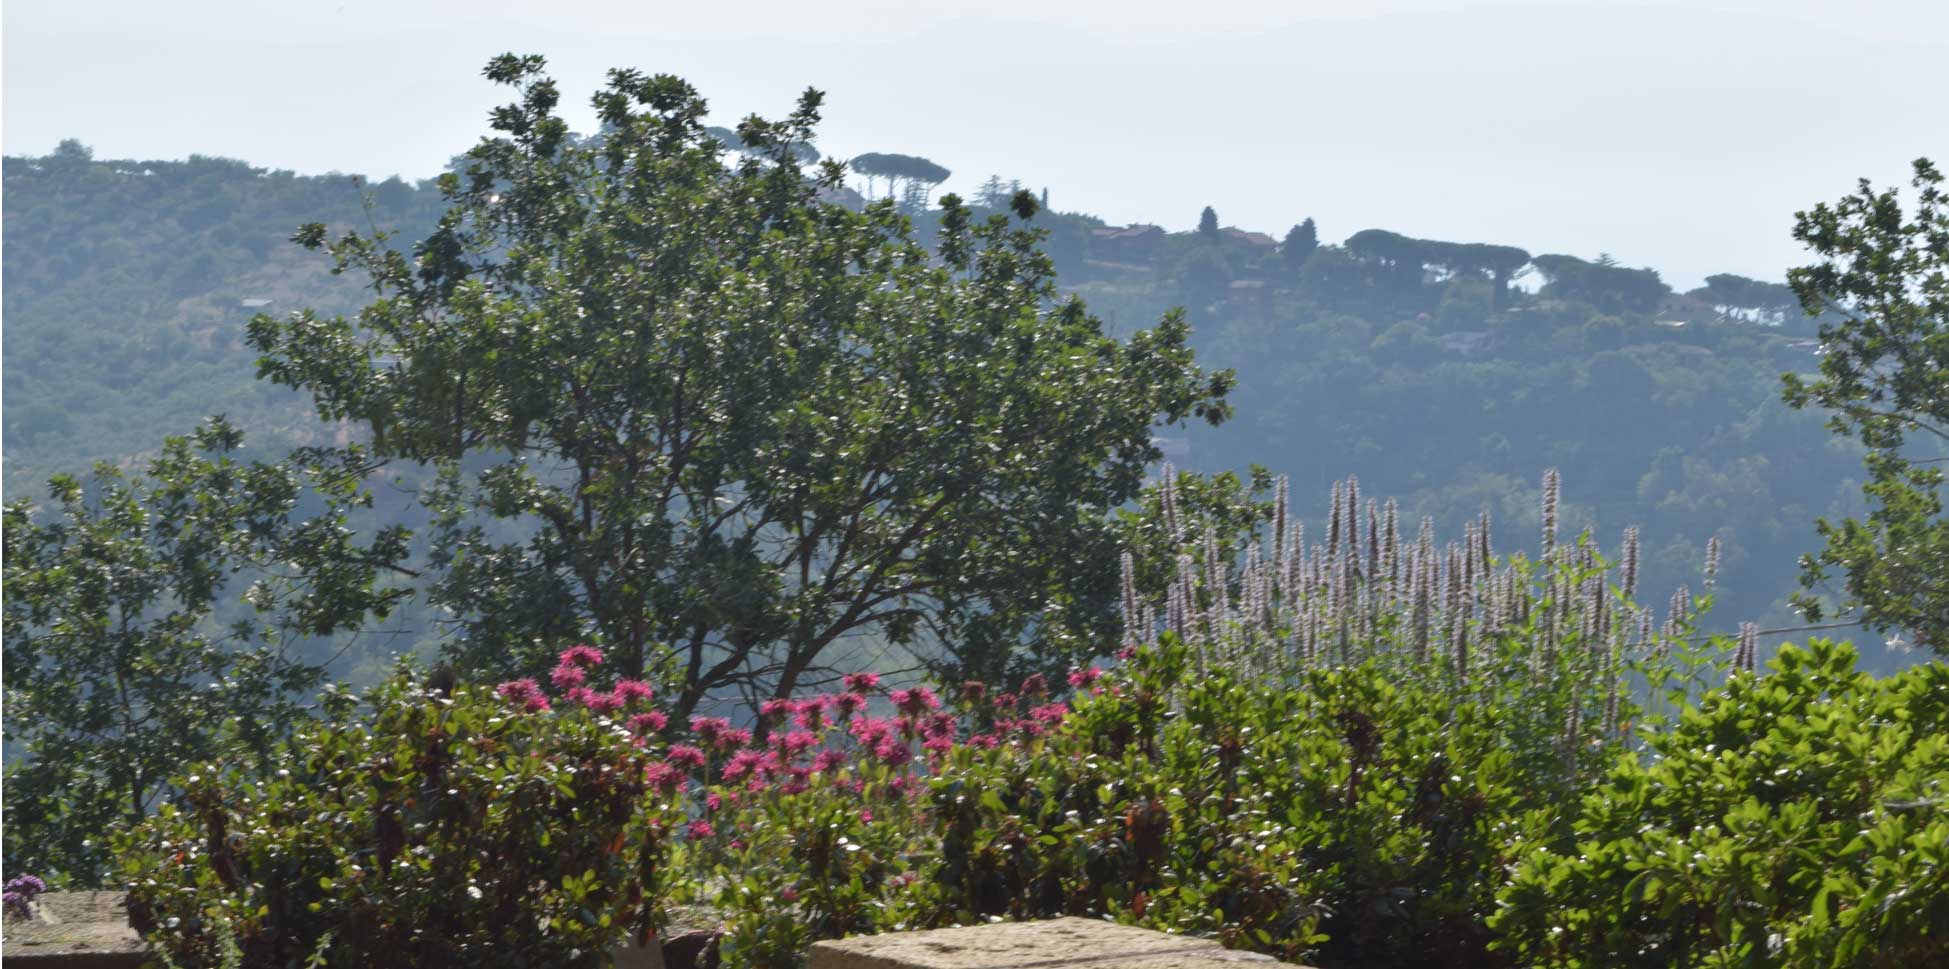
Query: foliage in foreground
{"type": "Point", "coordinates": [443, 830]}
{"type": "Point", "coordinates": [987, 809]}
{"type": "Point", "coordinates": [1343, 816]}
{"type": "Point", "coordinates": [1800, 818]}
{"type": "Point", "coordinates": [125, 658]}
{"type": "Point", "coordinates": [1339, 818]}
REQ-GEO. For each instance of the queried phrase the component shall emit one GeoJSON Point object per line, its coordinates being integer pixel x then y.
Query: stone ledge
{"type": "Point", "coordinates": [75, 930]}
{"type": "Point", "coordinates": [1064, 942]}
{"type": "Point", "coordinates": [90, 930]}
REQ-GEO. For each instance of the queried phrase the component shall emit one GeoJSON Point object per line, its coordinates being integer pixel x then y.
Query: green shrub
{"type": "Point", "coordinates": [1800, 818]}
{"type": "Point", "coordinates": [443, 830]}
{"type": "Point", "coordinates": [1342, 819]}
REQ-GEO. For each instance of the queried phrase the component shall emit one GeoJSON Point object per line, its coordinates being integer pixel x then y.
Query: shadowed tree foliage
{"type": "Point", "coordinates": [1733, 292]}
{"type": "Point", "coordinates": [1208, 223]}
{"type": "Point", "coordinates": [1608, 287]}
{"type": "Point", "coordinates": [920, 174]}
{"type": "Point", "coordinates": [1884, 271]}
{"type": "Point", "coordinates": [731, 427]}
{"type": "Point", "coordinates": [1299, 244]}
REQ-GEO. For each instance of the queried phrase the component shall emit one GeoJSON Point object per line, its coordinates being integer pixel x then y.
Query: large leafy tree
{"type": "Point", "coordinates": [690, 412]}
{"type": "Point", "coordinates": [1883, 274]}
{"type": "Point", "coordinates": [150, 623]}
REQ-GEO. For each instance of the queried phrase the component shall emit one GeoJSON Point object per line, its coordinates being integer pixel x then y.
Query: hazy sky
{"type": "Point", "coordinates": [1679, 137]}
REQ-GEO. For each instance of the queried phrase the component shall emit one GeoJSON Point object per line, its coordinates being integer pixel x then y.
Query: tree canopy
{"type": "Point", "coordinates": [1884, 271]}
{"type": "Point", "coordinates": [694, 414]}
{"type": "Point", "coordinates": [919, 173]}
{"type": "Point", "coordinates": [1606, 286]}
{"type": "Point", "coordinates": [1208, 222]}
{"type": "Point", "coordinates": [1299, 244]}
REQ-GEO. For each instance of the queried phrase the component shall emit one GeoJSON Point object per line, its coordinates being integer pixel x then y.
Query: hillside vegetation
{"type": "Point", "coordinates": [1440, 372]}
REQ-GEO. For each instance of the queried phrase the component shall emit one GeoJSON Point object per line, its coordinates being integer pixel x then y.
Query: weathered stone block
{"type": "Point", "coordinates": [74, 930]}
{"type": "Point", "coordinates": [1052, 944]}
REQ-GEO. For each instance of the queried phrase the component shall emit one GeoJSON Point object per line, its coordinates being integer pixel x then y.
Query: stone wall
{"type": "Point", "coordinates": [90, 930]}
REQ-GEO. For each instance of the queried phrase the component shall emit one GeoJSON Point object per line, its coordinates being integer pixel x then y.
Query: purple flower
{"type": "Point", "coordinates": [20, 892]}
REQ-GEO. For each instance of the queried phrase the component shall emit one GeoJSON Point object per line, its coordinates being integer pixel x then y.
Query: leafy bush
{"type": "Point", "coordinates": [1801, 818]}
{"type": "Point", "coordinates": [445, 830]}
{"type": "Point", "coordinates": [1327, 764]}
{"type": "Point", "coordinates": [1343, 819]}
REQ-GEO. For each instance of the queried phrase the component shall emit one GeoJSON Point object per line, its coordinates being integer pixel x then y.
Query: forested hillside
{"type": "Point", "coordinates": [128, 284]}
{"type": "Point", "coordinates": [1448, 374]}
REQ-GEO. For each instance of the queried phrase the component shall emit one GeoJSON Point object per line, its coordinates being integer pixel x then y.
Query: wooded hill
{"type": "Point", "coordinates": [1434, 370]}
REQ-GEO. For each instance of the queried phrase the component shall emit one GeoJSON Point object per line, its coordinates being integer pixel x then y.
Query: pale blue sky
{"type": "Point", "coordinates": [1682, 138]}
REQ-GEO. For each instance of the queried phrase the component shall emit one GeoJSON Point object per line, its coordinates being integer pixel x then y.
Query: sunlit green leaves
{"type": "Point", "coordinates": [1791, 819]}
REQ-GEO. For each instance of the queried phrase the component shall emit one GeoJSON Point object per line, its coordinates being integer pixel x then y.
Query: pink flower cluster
{"type": "Point", "coordinates": [571, 677]}
{"type": "Point", "coordinates": [796, 739]}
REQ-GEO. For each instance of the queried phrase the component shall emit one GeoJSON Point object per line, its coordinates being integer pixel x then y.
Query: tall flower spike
{"type": "Point", "coordinates": [1172, 530]}
{"type": "Point", "coordinates": [1550, 485]}
{"type": "Point", "coordinates": [1630, 563]}
{"type": "Point", "coordinates": [1391, 535]}
{"type": "Point", "coordinates": [1295, 564]}
{"type": "Point", "coordinates": [1487, 553]}
{"type": "Point", "coordinates": [1217, 575]}
{"type": "Point", "coordinates": [1746, 659]}
{"type": "Point", "coordinates": [1280, 513]}
{"type": "Point", "coordinates": [1352, 534]}
{"type": "Point", "coordinates": [1373, 541]}
{"type": "Point", "coordinates": [1426, 541]}
{"type": "Point", "coordinates": [1187, 596]}
{"type": "Point", "coordinates": [1423, 603]}
{"type": "Point", "coordinates": [1131, 635]}
{"type": "Point", "coordinates": [1711, 561]}
{"type": "Point", "coordinates": [1612, 685]}
{"type": "Point", "coordinates": [1333, 517]}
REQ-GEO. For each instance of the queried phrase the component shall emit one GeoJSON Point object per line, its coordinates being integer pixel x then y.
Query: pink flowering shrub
{"type": "Point", "coordinates": [1340, 817]}
{"type": "Point", "coordinates": [506, 826]}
